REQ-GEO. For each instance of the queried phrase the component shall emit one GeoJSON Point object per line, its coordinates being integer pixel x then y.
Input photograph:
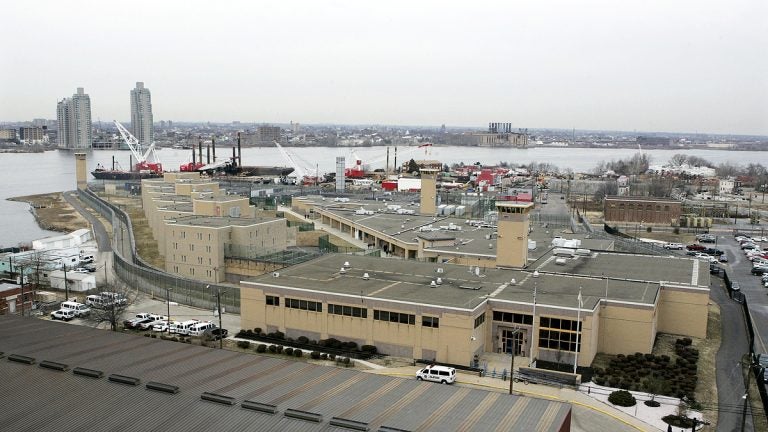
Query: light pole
{"type": "Point", "coordinates": [168, 301]}
{"type": "Point", "coordinates": [512, 365]}
{"type": "Point", "coordinates": [218, 309]}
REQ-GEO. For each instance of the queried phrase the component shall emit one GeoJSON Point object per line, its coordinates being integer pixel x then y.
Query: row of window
{"type": "Point", "coordinates": [559, 340]}
{"type": "Point", "coordinates": [428, 321]}
{"type": "Point", "coordinates": [304, 305]}
{"type": "Point", "coordinates": [513, 318]}
{"type": "Point", "coordinates": [479, 320]}
{"type": "Point", "coordinates": [395, 317]}
{"type": "Point", "coordinates": [347, 311]}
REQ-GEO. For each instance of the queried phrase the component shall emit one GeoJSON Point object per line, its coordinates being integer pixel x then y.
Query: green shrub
{"type": "Point", "coordinates": [315, 355]}
{"type": "Point", "coordinates": [323, 356]}
{"type": "Point", "coordinates": [146, 334]}
{"type": "Point", "coordinates": [622, 398]}
{"type": "Point", "coordinates": [279, 349]}
{"type": "Point", "coordinates": [257, 330]}
{"type": "Point", "coordinates": [288, 351]}
{"type": "Point", "coordinates": [298, 353]}
{"type": "Point", "coordinates": [261, 348]}
{"type": "Point", "coordinates": [273, 348]}
{"type": "Point", "coordinates": [652, 403]}
{"type": "Point", "coordinates": [369, 349]}
{"type": "Point", "coordinates": [243, 344]}
{"type": "Point", "coordinates": [303, 339]}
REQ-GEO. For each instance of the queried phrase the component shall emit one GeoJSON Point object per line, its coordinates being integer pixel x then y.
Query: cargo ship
{"type": "Point", "coordinates": [232, 166]}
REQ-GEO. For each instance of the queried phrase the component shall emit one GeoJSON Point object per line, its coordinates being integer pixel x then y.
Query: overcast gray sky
{"type": "Point", "coordinates": [654, 65]}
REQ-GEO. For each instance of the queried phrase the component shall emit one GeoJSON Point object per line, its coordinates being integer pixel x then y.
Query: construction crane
{"type": "Point", "coordinates": [146, 161]}
{"type": "Point", "coordinates": [301, 172]}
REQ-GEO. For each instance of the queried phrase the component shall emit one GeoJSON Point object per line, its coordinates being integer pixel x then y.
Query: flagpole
{"type": "Point", "coordinates": [578, 334]}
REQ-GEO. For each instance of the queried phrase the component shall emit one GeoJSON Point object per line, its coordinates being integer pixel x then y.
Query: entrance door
{"type": "Point", "coordinates": [512, 341]}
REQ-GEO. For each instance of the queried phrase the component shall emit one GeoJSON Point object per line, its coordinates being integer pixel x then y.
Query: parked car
{"type": "Point", "coordinates": [713, 251]}
{"type": "Point", "coordinates": [80, 270]}
{"type": "Point", "coordinates": [161, 326]}
{"type": "Point", "coordinates": [151, 324]}
{"type": "Point", "coordinates": [695, 247]}
{"type": "Point", "coordinates": [63, 314]}
{"type": "Point", "coordinates": [90, 267]}
{"type": "Point", "coordinates": [675, 246]}
{"type": "Point", "coordinates": [215, 333]}
{"type": "Point", "coordinates": [134, 323]}
{"type": "Point", "coordinates": [759, 270]}
{"type": "Point", "coordinates": [735, 286]}
{"type": "Point", "coordinates": [723, 258]}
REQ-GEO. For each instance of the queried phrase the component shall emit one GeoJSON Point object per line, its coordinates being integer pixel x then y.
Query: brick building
{"type": "Point", "coordinates": [647, 210]}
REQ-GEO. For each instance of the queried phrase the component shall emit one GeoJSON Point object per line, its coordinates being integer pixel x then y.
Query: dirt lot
{"type": "Point", "coordinates": [53, 213]}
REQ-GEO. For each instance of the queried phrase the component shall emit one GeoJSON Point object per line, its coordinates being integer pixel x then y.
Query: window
{"type": "Point", "coordinates": [273, 300]}
{"type": "Point", "coordinates": [427, 321]}
{"type": "Point", "coordinates": [559, 334]}
{"type": "Point", "coordinates": [394, 317]}
{"type": "Point", "coordinates": [513, 318]}
{"type": "Point", "coordinates": [479, 320]}
{"type": "Point", "coordinates": [348, 311]}
{"type": "Point", "coordinates": [308, 305]}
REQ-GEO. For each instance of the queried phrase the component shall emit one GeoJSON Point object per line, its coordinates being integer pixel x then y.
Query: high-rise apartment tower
{"type": "Point", "coordinates": [141, 115]}
{"type": "Point", "coordinates": [74, 118]}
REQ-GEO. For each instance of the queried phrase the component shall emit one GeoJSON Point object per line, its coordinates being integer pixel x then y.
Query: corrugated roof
{"type": "Point", "coordinates": [36, 398]}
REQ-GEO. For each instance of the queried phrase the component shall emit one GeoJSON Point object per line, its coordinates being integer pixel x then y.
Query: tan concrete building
{"type": "Point", "coordinates": [197, 246]}
{"type": "Point", "coordinates": [447, 313]}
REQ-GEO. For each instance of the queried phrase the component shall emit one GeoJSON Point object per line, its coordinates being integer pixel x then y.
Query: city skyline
{"type": "Point", "coordinates": [685, 67]}
{"type": "Point", "coordinates": [142, 125]}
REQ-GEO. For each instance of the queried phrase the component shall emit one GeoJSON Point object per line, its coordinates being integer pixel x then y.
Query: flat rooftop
{"type": "Point", "coordinates": [465, 288]}
{"type": "Point", "coordinates": [469, 239]}
{"type": "Point", "coordinates": [218, 221]}
{"type": "Point", "coordinates": [38, 398]}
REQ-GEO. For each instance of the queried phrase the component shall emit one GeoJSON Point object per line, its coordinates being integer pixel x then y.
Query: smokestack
{"type": "Point", "coordinates": [387, 170]}
{"type": "Point", "coordinates": [397, 168]}
{"type": "Point", "coordinates": [200, 147]}
{"type": "Point", "coordinates": [193, 156]}
{"type": "Point", "coordinates": [213, 147]}
{"type": "Point", "coordinates": [208, 154]}
{"type": "Point", "coordinates": [239, 151]}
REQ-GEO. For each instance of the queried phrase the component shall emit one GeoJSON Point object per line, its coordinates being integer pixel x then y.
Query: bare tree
{"type": "Point", "coordinates": [678, 159]}
{"type": "Point", "coordinates": [116, 297]}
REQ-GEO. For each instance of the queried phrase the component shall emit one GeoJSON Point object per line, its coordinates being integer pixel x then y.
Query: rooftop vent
{"type": "Point", "coordinates": [258, 406]}
{"type": "Point", "coordinates": [276, 274]}
{"type": "Point", "coordinates": [166, 388]}
{"type": "Point", "coordinates": [391, 429]}
{"type": "Point", "coordinates": [439, 281]}
{"type": "Point", "coordinates": [535, 273]}
{"type": "Point", "coordinates": [217, 398]}
{"type": "Point", "coordinates": [365, 276]}
{"type": "Point", "coordinates": [21, 359]}
{"type": "Point", "coordinates": [303, 415]}
{"type": "Point", "coordinates": [440, 270]}
{"type": "Point", "coordinates": [342, 270]}
{"type": "Point", "coordinates": [346, 264]}
{"type": "Point", "coordinates": [53, 365]}
{"type": "Point", "coordinates": [91, 373]}
{"type": "Point", "coordinates": [122, 379]}
{"type": "Point", "coordinates": [349, 424]}
{"type": "Point", "coordinates": [433, 284]}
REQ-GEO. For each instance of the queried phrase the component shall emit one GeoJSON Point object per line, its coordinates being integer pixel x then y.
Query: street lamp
{"type": "Point", "coordinates": [218, 309]}
{"type": "Point", "coordinates": [512, 364]}
{"type": "Point", "coordinates": [168, 301]}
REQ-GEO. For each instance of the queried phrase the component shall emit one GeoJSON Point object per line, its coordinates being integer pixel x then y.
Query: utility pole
{"type": "Point", "coordinates": [168, 301]}
{"type": "Point", "coordinates": [66, 287]}
{"type": "Point", "coordinates": [218, 309]}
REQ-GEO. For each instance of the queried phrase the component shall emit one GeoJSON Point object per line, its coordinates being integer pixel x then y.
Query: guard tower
{"type": "Point", "coordinates": [512, 243]}
{"type": "Point", "coordinates": [81, 171]}
{"type": "Point", "coordinates": [428, 191]}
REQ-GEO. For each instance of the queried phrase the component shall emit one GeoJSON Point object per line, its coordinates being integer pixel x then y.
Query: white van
{"type": "Point", "coordinates": [86, 259]}
{"type": "Point", "coordinates": [199, 328]}
{"type": "Point", "coordinates": [97, 301]}
{"type": "Point", "coordinates": [78, 308]}
{"type": "Point", "coordinates": [183, 327]}
{"type": "Point", "coordinates": [441, 374]}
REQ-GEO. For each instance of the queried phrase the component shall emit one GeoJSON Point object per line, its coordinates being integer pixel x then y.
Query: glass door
{"type": "Point", "coordinates": [512, 341]}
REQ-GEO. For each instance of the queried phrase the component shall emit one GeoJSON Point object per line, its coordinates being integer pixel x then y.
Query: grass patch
{"type": "Point", "coordinates": [53, 213]}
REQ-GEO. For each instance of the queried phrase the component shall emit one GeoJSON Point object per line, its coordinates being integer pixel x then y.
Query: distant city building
{"type": "Point", "coordinates": [33, 135]}
{"type": "Point", "coordinates": [498, 135]}
{"type": "Point", "coordinates": [267, 134]}
{"type": "Point", "coordinates": [7, 134]}
{"type": "Point", "coordinates": [74, 121]}
{"type": "Point", "coordinates": [726, 186]}
{"type": "Point", "coordinates": [141, 115]}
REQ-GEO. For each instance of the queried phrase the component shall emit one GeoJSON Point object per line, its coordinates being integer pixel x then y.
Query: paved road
{"type": "Point", "coordinates": [734, 344]}
{"type": "Point", "coordinates": [102, 238]}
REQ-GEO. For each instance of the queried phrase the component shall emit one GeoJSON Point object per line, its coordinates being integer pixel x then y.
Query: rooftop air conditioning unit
{"type": "Point", "coordinates": [365, 276]}
{"type": "Point", "coordinates": [535, 273]}
{"type": "Point", "coordinates": [276, 274]}
{"type": "Point", "coordinates": [342, 270]}
{"type": "Point", "coordinates": [433, 284]}
{"type": "Point", "coordinates": [346, 264]}
{"type": "Point", "coordinates": [439, 281]}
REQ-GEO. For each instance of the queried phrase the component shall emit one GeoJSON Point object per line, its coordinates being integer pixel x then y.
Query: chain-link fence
{"type": "Point", "coordinates": [140, 275]}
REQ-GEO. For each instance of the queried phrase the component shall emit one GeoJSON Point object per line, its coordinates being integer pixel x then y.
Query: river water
{"type": "Point", "coordinates": [54, 171]}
